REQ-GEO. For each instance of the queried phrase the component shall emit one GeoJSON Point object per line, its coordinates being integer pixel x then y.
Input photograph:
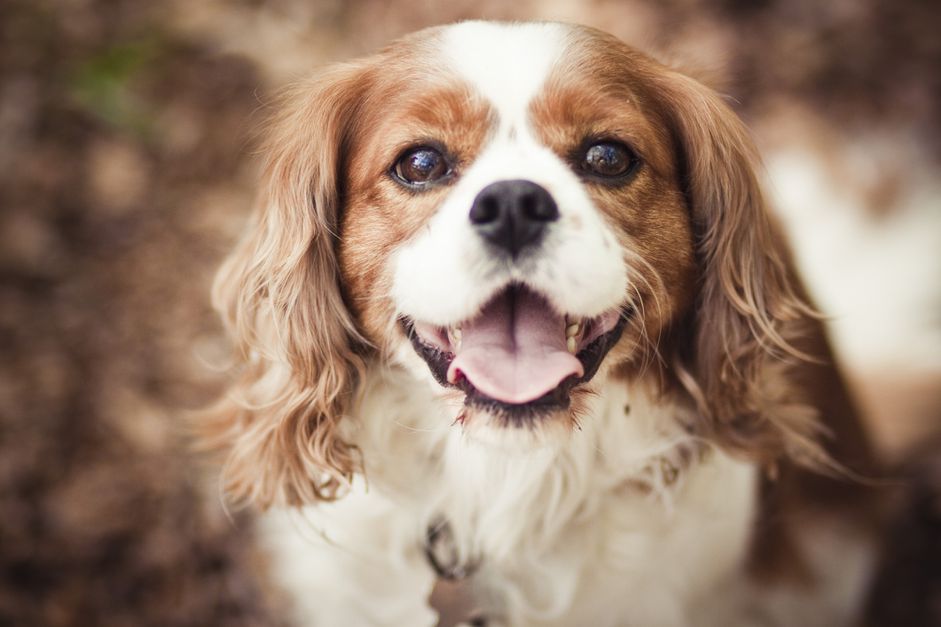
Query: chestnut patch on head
{"type": "Point", "coordinates": [413, 144]}
{"type": "Point", "coordinates": [598, 120]}
{"type": "Point", "coordinates": [721, 308]}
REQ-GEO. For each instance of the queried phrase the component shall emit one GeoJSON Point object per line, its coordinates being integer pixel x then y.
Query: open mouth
{"type": "Point", "coordinates": [518, 357]}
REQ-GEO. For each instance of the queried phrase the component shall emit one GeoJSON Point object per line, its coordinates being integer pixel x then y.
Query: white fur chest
{"type": "Point", "coordinates": [602, 530]}
{"type": "Point", "coordinates": [640, 560]}
{"type": "Point", "coordinates": [592, 530]}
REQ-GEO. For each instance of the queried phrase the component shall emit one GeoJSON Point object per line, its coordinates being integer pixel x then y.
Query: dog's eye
{"type": "Point", "coordinates": [421, 166]}
{"type": "Point", "coordinates": [609, 159]}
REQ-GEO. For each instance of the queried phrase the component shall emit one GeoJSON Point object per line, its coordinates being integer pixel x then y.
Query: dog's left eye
{"type": "Point", "coordinates": [421, 166]}
{"type": "Point", "coordinates": [609, 159]}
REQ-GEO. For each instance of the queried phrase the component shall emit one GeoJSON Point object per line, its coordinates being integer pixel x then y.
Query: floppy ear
{"type": "Point", "coordinates": [279, 296]}
{"type": "Point", "coordinates": [749, 307]}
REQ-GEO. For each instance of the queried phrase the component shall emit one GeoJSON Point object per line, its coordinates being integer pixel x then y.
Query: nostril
{"type": "Point", "coordinates": [484, 211]}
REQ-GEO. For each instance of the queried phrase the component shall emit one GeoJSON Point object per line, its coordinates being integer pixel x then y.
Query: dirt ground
{"type": "Point", "coordinates": [126, 172]}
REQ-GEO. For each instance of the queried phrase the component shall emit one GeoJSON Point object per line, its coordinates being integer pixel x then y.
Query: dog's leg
{"type": "Point", "coordinates": [354, 562]}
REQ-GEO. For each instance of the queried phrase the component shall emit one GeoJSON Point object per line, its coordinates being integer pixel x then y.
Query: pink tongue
{"type": "Point", "coordinates": [514, 350]}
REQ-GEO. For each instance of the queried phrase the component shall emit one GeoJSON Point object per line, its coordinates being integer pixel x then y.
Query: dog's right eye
{"type": "Point", "coordinates": [421, 166]}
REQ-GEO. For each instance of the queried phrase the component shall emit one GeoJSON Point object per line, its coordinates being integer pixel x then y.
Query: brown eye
{"type": "Point", "coordinates": [609, 159]}
{"type": "Point", "coordinates": [421, 166]}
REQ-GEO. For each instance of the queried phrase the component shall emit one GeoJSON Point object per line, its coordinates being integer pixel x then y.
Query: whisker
{"type": "Point", "coordinates": [643, 271]}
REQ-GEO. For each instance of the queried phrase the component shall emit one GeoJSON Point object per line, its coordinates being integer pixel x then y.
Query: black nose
{"type": "Point", "coordinates": [513, 214]}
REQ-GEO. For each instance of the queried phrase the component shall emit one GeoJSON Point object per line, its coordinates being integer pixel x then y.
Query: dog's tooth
{"type": "Point", "coordinates": [454, 336]}
{"type": "Point", "coordinates": [572, 329]}
{"type": "Point", "coordinates": [571, 344]}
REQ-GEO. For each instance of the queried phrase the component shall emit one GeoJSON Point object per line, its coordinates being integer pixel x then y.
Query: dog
{"type": "Point", "coordinates": [513, 311]}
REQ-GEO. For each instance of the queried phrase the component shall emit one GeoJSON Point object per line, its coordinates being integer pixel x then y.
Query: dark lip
{"type": "Point", "coordinates": [559, 398]}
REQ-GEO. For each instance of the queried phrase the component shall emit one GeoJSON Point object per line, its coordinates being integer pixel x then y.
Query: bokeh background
{"type": "Point", "coordinates": [126, 172]}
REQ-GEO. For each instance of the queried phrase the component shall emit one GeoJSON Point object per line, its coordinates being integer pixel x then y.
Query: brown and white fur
{"type": "Point", "coordinates": [696, 479]}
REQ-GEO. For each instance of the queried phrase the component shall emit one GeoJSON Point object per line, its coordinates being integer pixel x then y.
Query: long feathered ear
{"type": "Point", "coordinates": [749, 308]}
{"type": "Point", "coordinates": [279, 296]}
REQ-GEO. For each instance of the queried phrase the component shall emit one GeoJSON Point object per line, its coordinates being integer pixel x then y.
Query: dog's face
{"type": "Point", "coordinates": [519, 226]}
{"type": "Point", "coordinates": [514, 213]}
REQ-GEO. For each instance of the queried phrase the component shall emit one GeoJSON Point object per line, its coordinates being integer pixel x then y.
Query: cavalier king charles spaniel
{"type": "Point", "coordinates": [513, 311]}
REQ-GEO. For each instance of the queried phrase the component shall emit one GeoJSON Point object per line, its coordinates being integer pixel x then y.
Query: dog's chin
{"type": "Point", "coordinates": [493, 429]}
{"type": "Point", "coordinates": [542, 403]}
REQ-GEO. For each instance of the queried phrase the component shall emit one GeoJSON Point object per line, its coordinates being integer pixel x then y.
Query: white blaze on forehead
{"type": "Point", "coordinates": [506, 63]}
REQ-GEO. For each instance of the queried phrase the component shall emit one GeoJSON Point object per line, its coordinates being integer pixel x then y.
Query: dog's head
{"type": "Point", "coordinates": [514, 213]}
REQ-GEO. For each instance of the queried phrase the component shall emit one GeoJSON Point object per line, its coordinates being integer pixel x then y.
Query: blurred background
{"type": "Point", "coordinates": [126, 172]}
